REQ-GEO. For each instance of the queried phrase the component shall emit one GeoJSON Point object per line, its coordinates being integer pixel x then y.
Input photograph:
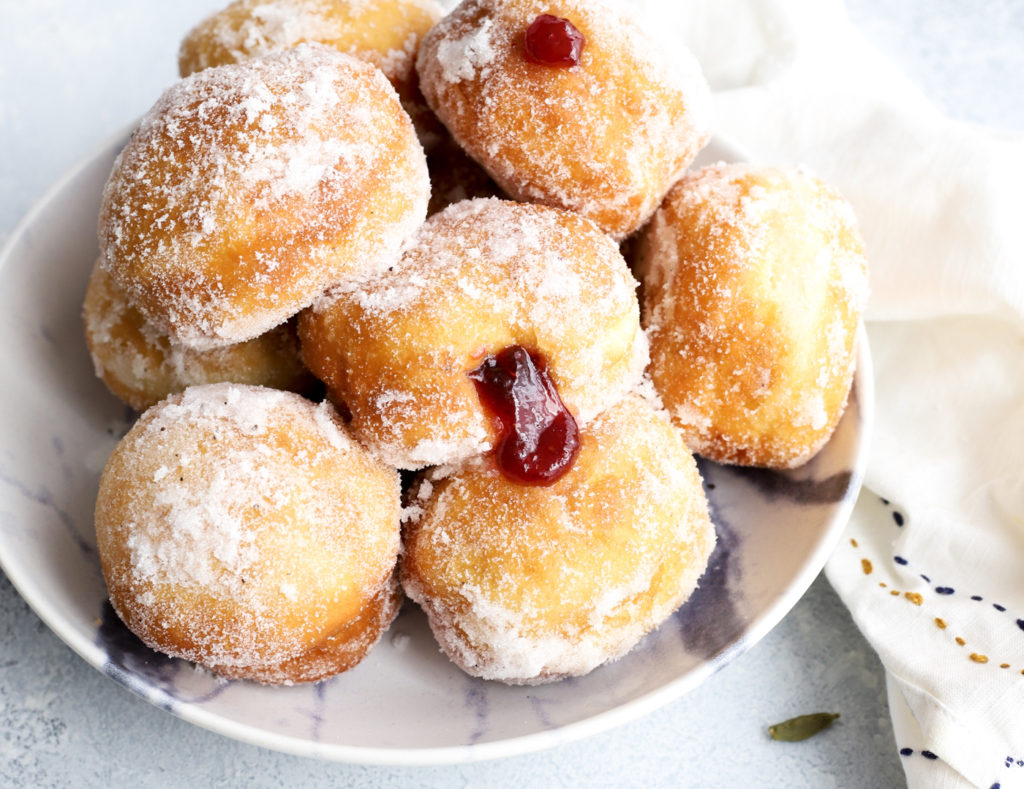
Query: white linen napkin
{"type": "Point", "coordinates": [932, 563]}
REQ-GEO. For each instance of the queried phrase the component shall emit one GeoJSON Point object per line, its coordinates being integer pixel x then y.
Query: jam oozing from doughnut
{"type": "Point", "coordinates": [539, 437]}
{"type": "Point", "coordinates": [553, 41]}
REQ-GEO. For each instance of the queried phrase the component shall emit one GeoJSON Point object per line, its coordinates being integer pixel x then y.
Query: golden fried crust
{"type": "Point", "coordinates": [339, 652]}
{"type": "Point", "coordinates": [606, 138]}
{"type": "Point", "coordinates": [755, 283]}
{"type": "Point", "coordinates": [385, 33]}
{"type": "Point", "coordinates": [141, 366]}
{"type": "Point", "coordinates": [530, 584]}
{"type": "Point", "coordinates": [479, 276]}
{"type": "Point", "coordinates": [249, 189]}
{"type": "Point", "coordinates": [241, 528]}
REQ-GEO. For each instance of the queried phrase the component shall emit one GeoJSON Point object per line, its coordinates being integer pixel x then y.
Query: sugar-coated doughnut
{"type": "Point", "coordinates": [478, 277]}
{"type": "Point", "coordinates": [251, 188]}
{"type": "Point", "coordinates": [605, 138]}
{"type": "Point", "coordinates": [755, 283]}
{"type": "Point", "coordinates": [141, 366]}
{"type": "Point", "coordinates": [241, 528]}
{"type": "Point", "coordinates": [531, 584]}
{"type": "Point", "coordinates": [385, 33]}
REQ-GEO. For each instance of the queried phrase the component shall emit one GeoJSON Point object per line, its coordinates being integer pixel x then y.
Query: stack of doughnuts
{"type": "Point", "coordinates": [266, 229]}
{"type": "Point", "coordinates": [239, 526]}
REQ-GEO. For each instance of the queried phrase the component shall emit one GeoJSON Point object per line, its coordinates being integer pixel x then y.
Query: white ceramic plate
{"type": "Point", "coordinates": [405, 704]}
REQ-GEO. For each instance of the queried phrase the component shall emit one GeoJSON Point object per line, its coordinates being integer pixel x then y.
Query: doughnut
{"type": "Point", "coordinates": [243, 529]}
{"type": "Point", "coordinates": [385, 33]}
{"type": "Point", "coordinates": [479, 277]}
{"type": "Point", "coordinates": [755, 283]}
{"type": "Point", "coordinates": [251, 188]}
{"type": "Point", "coordinates": [529, 584]}
{"type": "Point", "coordinates": [606, 137]}
{"type": "Point", "coordinates": [141, 366]}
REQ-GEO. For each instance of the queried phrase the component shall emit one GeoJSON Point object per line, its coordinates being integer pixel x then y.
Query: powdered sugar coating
{"type": "Point", "coordinates": [478, 277]}
{"type": "Point", "coordinates": [385, 33]}
{"type": "Point", "coordinates": [142, 366]}
{"type": "Point", "coordinates": [466, 56]}
{"type": "Point", "coordinates": [525, 585]}
{"type": "Point", "coordinates": [242, 528]}
{"type": "Point", "coordinates": [249, 189]}
{"type": "Point", "coordinates": [755, 281]}
{"type": "Point", "coordinates": [606, 138]}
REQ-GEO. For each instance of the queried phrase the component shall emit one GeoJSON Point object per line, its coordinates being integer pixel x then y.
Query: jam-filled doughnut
{"type": "Point", "coordinates": [480, 277]}
{"type": "Point", "coordinates": [754, 287]}
{"type": "Point", "coordinates": [385, 33]}
{"type": "Point", "coordinates": [141, 366]}
{"type": "Point", "coordinates": [250, 188]}
{"type": "Point", "coordinates": [529, 584]}
{"type": "Point", "coordinates": [603, 129]}
{"type": "Point", "coordinates": [241, 528]}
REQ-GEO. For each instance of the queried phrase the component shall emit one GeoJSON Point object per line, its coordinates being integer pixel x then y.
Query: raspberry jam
{"type": "Point", "coordinates": [553, 41]}
{"type": "Point", "coordinates": [539, 438]}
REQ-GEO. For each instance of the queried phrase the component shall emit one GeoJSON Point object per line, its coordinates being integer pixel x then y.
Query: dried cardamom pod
{"type": "Point", "coordinates": [802, 726]}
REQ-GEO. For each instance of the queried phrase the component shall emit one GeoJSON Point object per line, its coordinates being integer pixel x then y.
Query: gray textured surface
{"type": "Point", "coordinates": [73, 73]}
{"type": "Point", "coordinates": [967, 56]}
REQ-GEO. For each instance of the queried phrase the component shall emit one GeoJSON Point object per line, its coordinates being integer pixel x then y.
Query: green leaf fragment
{"type": "Point", "coordinates": [802, 726]}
